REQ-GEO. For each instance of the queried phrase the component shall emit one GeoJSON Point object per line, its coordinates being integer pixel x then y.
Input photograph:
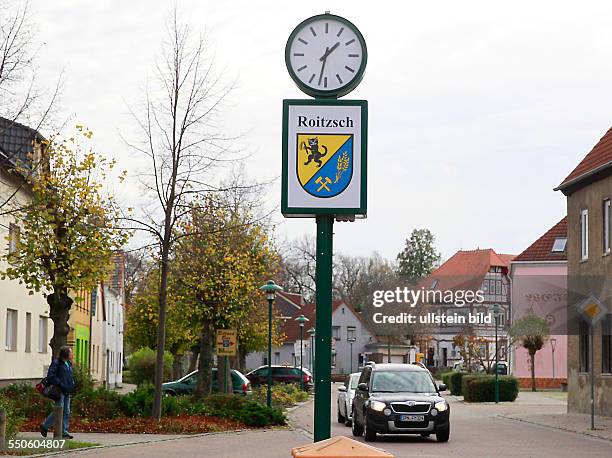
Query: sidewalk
{"type": "Point", "coordinates": [574, 422]}
{"type": "Point", "coordinates": [277, 443]}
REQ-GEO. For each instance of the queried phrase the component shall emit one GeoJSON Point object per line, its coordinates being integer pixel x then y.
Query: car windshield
{"type": "Point", "coordinates": [354, 382]}
{"type": "Point", "coordinates": [402, 381]}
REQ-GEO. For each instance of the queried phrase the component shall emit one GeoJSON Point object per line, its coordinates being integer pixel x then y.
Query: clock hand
{"type": "Point", "coordinates": [328, 51]}
{"type": "Point", "coordinates": [323, 66]}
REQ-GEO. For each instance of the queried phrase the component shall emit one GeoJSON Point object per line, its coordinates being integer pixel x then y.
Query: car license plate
{"type": "Point", "coordinates": [412, 417]}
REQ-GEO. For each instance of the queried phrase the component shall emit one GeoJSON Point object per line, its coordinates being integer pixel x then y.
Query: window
{"type": "Point", "coordinates": [333, 360]}
{"type": "Point", "coordinates": [336, 332]}
{"type": "Point", "coordinates": [584, 234]}
{"type": "Point", "coordinates": [583, 347]}
{"type": "Point", "coordinates": [28, 342]}
{"type": "Point", "coordinates": [606, 345]}
{"type": "Point", "coordinates": [351, 333]}
{"type": "Point", "coordinates": [606, 226]}
{"type": "Point", "coordinates": [277, 357]}
{"type": "Point", "coordinates": [13, 237]}
{"type": "Point", "coordinates": [11, 330]}
{"type": "Point", "coordinates": [42, 334]}
{"type": "Point", "coordinates": [559, 245]}
{"type": "Point", "coordinates": [434, 284]}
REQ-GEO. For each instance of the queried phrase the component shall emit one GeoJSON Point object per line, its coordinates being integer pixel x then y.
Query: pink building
{"type": "Point", "coordinates": [539, 286]}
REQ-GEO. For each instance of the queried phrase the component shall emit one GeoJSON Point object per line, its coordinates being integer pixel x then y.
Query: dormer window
{"type": "Point", "coordinates": [559, 245]}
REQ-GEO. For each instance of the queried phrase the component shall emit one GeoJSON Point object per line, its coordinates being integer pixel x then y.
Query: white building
{"type": "Point", "coordinates": [25, 326]}
{"type": "Point", "coordinates": [107, 329]}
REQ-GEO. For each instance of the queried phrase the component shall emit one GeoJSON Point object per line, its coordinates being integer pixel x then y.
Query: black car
{"type": "Point", "coordinates": [281, 374]}
{"type": "Point", "coordinates": [399, 399]}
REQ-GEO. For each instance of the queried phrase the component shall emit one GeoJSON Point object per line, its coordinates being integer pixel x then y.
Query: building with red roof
{"type": "Point", "coordinates": [539, 286]}
{"type": "Point", "coordinates": [482, 270]}
{"type": "Point", "coordinates": [588, 189]}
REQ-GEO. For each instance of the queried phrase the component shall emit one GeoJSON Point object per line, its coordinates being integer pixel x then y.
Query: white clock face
{"type": "Point", "coordinates": [326, 54]}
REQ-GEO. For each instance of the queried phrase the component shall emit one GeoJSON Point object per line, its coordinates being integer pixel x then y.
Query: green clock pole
{"type": "Point", "coordinates": [322, 403]}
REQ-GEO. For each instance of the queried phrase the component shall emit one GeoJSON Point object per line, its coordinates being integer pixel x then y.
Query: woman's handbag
{"type": "Point", "coordinates": [52, 392]}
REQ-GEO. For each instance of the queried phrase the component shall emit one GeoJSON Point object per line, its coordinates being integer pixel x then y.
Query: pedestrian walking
{"type": "Point", "coordinates": [60, 374]}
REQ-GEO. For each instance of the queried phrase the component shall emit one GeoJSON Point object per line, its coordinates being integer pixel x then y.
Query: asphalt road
{"type": "Point", "coordinates": [477, 431]}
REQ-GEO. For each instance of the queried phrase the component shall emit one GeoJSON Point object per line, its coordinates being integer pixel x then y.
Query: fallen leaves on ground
{"type": "Point", "coordinates": [180, 424]}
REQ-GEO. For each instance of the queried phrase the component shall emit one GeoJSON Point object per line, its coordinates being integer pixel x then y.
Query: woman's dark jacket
{"type": "Point", "coordinates": [60, 374]}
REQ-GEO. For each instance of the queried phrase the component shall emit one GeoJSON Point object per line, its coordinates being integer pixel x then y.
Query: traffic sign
{"type": "Point", "coordinates": [226, 342]}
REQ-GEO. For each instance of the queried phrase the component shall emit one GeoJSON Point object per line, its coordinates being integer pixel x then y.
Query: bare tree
{"type": "Point", "coordinates": [21, 98]}
{"type": "Point", "coordinates": [184, 147]}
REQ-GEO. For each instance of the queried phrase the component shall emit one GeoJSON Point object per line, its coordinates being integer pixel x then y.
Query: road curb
{"type": "Point", "coordinates": [560, 428]}
{"type": "Point", "coordinates": [101, 446]}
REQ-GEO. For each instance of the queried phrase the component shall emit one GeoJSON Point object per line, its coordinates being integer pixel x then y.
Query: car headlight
{"type": "Point", "coordinates": [377, 405]}
{"type": "Point", "coordinates": [441, 406]}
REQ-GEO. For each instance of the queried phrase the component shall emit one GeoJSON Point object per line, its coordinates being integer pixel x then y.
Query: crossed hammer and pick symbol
{"type": "Point", "coordinates": [323, 184]}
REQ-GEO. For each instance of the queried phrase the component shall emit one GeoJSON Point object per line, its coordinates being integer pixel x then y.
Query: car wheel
{"type": "Point", "coordinates": [340, 416]}
{"type": "Point", "coordinates": [348, 422]}
{"type": "Point", "coordinates": [356, 429]}
{"type": "Point", "coordinates": [443, 435]}
{"type": "Point", "coordinates": [369, 432]}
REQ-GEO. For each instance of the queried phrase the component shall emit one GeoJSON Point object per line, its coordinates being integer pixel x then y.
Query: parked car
{"type": "Point", "coordinates": [399, 399]}
{"type": "Point", "coordinates": [281, 374]}
{"type": "Point", "coordinates": [187, 384]}
{"type": "Point", "coordinates": [502, 368]}
{"type": "Point", "coordinates": [346, 393]}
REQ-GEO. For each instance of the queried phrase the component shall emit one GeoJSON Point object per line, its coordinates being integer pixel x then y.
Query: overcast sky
{"type": "Point", "coordinates": [477, 109]}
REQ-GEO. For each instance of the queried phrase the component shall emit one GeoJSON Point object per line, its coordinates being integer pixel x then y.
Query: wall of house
{"type": "Point", "coordinates": [19, 364]}
{"type": "Point", "coordinates": [593, 275]}
{"type": "Point", "coordinates": [98, 330]}
{"type": "Point", "coordinates": [344, 317]}
{"type": "Point", "coordinates": [549, 281]}
{"type": "Point", "coordinates": [113, 353]}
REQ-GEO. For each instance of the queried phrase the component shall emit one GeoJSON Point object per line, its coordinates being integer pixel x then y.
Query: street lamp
{"type": "Point", "coordinates": [312, 331]}
{"type": "Point", "coordinates": [270, 288]}
{"type": "Point", "coordinates": [553, 344]}
{"type": "Point", "coordinates": [351, 340]}
{"type": "Point", "coordinates": [301, 320]}
{"type": "Point", "coordinates": [496, 313]}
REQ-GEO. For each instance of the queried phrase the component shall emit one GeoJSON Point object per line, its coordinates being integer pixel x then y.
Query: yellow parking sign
{"type": "Point", "coordinates": [226, 342]}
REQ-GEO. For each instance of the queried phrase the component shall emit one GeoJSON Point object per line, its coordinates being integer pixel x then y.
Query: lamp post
{"type": "Point", "coordinates": [350, 341]}
{"type": "Point", "coordinates": [496, 312]}
{"type": "Point", "coordinates": [553, 344]}
{"type": "Point", "coordinates": [270, 288]}
{"type": "Point", "coordinates": [301, 320]}
{"type": "Point", "coordinates": [312, 331]}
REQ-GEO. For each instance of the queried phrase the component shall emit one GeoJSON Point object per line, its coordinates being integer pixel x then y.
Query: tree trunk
{"type": "Point", "coordinates": [176, 366]}
{"type": "Point", "coordinates": [241, 359]}
{"type": "Point", "coordinates": [533, 382]}
{"type": "Point", "coordinates": [193, 359]}
{"type": "Point", "coordinates": [224, 370]}
{"type": "Point", "coordinates": [161, 330]}
{"type": "Point", "coordinates": [59, 308]}
{"type": "Point", "coordinates": [206, 360]}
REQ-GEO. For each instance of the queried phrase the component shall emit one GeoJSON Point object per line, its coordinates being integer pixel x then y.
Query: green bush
{"type": "Point", "coordinates": [126, 376]}
{"type": "Point", "coordinates": [454, 382]}
{"type": "Point", "coordinates": [142, 366]}
{"type": "Point", "coordinates": [82, 379]}
{"type": "Point", "coordinates": [100, 404]}
{"type": "Point", "coordinates": [13, 419]}
{"type": "Point", "coordinates": [28, 402]}
{"type": "Point", "coordinates": [283, 395]}
{"type": "Point", "coordinates": [481, 388]}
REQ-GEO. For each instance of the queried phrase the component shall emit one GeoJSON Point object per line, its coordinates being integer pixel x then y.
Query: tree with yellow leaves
{"type": "Point", "coordinates": [68, 233]}
{"type": "Point", "coordinates": [218, 269]}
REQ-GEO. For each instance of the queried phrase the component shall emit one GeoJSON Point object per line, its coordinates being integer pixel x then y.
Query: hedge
{"type": "Point", "coordinates": [453, 381]}
{"type": "Point", "coordinates": [481, 388]}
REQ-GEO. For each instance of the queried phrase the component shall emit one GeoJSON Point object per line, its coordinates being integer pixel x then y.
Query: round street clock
{"type": "Point", "coordinates": [326, 56]}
